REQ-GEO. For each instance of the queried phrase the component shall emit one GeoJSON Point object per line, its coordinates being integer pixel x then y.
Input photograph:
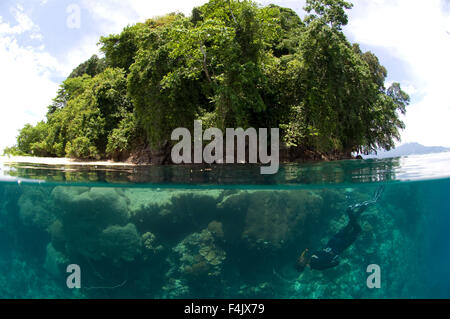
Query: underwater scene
{"type": "Point", "coordinates": [218, 232]}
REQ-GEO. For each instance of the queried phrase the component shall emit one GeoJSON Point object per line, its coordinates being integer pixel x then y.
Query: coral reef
{"type": "Point", "coordinates": [165, 243]}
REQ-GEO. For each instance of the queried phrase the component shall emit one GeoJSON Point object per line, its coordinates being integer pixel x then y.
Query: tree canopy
{"type": "Point", "coordinates": [231, 64]}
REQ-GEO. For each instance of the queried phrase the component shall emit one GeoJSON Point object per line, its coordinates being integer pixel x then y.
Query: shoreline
{"type": "Point", "coordinates": [58, 161]}
{"type": "Point", "coordinates": [6, 159]}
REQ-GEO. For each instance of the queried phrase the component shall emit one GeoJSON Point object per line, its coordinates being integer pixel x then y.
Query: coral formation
{"type": "Point", "coordinates": [260, 291]}
{"type": "Point", "coordinates": [172, 215]}
{"type": "Point", "coordinates": [36, 207]}
{"type": "Point", "coordinates": [196, 266]}
{"type": "Point", "coordinates": [277, 218]}
{"type": "Point", "coordinates": [216, 229]}
{"type": "Point", "coordinates": [55, 261]}
{"type": "Point", "coordinates": [199, 256]}
{"type": "Point", "coordinates": [91, 221]}
{"type": "Point", "coordinates": [120, 243]}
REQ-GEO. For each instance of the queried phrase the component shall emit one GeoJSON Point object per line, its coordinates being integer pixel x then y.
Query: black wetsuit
{"type": "Point", "coordinates": [329, 256]}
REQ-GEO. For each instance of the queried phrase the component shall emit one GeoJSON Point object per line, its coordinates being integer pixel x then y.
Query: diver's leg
{"type": "Point", "coordinates": [355, 211]}
{"type": "Point", "coordinates": [348, 235]}
{"type": "Point", "coordinates": [345, 237]}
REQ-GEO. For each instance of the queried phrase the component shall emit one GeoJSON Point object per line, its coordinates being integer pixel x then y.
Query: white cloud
{"type": "Point", "coordinates": [114, 15]}
{"type": "Point", "coordinates": [26, 85]}
{"type": "Point", "coordinates": [415, 32]}
{"type": "Point", "coordinates": [24, 24]}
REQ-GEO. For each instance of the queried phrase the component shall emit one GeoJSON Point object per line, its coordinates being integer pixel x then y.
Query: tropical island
{"type": "Point", "coordinates": [229, 64]}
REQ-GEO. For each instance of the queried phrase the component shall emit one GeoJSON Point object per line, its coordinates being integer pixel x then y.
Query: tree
{"type": "Point", "coordinates": [226, 49]}
{"type": "Point", "coordinates": [94, 113]}
{"type": "Point", "coordinates": [163, 95]}
{"type": "Point", "coordinates": [120, 50]}
{"type": "Point", "coordinates": [30, 139]}
{"type": "Point", "coordinates": [91, 67]}
{"type": "Point", "coordinates": [330, 12]}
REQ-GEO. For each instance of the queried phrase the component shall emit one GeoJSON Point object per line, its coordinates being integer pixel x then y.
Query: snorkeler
{"type": "Point", "coordinates": [329, 256]}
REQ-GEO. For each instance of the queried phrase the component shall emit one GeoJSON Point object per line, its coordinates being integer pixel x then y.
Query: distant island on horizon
{"type": "Point", "coordinates": [409, 149]}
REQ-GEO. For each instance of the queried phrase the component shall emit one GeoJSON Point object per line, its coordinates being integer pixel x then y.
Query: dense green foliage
{"type": "Point", "coordinates": [231, 64]}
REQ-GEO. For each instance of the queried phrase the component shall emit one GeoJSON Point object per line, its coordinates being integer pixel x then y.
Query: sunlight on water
{"type": "Point", "coordinates": [419, 167]}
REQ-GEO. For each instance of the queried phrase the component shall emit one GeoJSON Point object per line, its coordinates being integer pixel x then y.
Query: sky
{"type": "Point", "coordinates": [42, 41]}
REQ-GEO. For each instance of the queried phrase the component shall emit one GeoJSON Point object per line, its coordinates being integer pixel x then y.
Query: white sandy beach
{"type": "Point", "coordinates": [57, 161]}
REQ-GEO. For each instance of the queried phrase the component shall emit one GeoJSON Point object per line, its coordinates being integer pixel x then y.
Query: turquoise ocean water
{"type": "Point", "coordinates": [223, 231]}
